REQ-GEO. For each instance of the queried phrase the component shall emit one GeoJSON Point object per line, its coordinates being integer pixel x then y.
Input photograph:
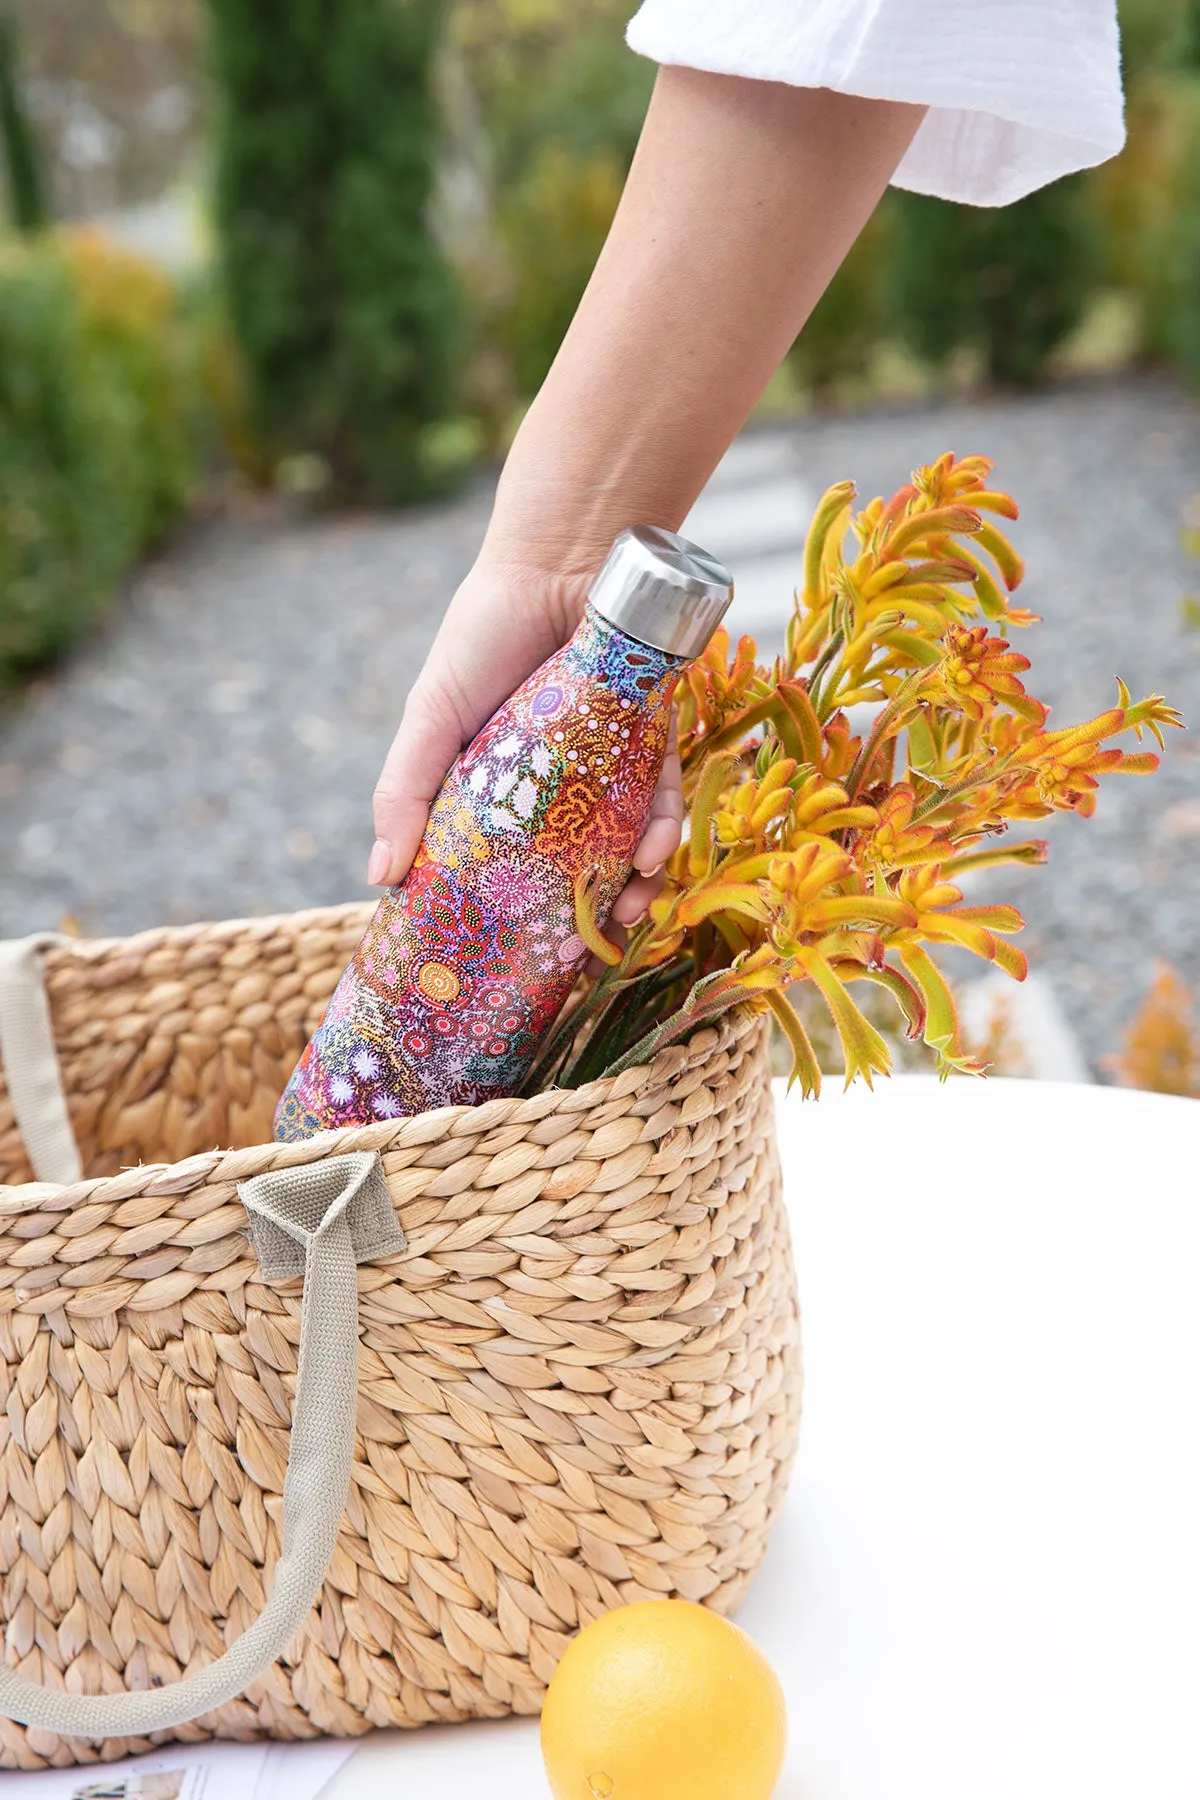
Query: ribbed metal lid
{"type": "Point", "coordinates": [661, 590]}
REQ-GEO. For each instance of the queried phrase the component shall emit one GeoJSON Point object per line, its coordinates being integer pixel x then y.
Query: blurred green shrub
{"type": "Point", "coordinates": [133, 326]}
{"type": "Point", "coordinates": [1009, 282]}
{"type": "Point", "coordinates": [226, 434]}
{"type": "Point", "coordinates": [561, 100]}
{"type": "Point", "coordinates": [21, 153]}
{"type": "Point", "coordinates": [556, 102]}
{"type": "Point", "coordinates": [344, 308]}
{"type": "Point", "coordinates": [553, 225]}
{"type": "Point", "coordinates": [95, 458]}
{"type": "Point", "coordinates": [850, 318]}
{"type": "Point", "coordinates": [552, 69]}
{"type": "Point", "coordinates": [1157, 35]}
{"type": "Point", "coordinates": [1150, 200]}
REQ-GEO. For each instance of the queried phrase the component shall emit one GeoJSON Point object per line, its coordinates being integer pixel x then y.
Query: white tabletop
{"type": "Point", "coordinates": [985, 1584]}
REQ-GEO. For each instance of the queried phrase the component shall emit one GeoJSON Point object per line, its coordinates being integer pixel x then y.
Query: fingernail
{"type": "Point", "coordinates": [380, 863]}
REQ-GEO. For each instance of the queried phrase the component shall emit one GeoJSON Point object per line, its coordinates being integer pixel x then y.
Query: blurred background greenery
{"type": "Point", "coordinates": [332, 246]}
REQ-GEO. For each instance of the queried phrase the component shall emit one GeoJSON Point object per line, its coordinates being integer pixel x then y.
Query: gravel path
{"type": "Point", "coordinates": [212, 752]}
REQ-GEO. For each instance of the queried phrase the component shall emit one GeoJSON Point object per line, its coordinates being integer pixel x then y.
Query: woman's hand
{"type": "Point", "coordinates": [502, 624]}
{"type": "Point", "coordinates": [743, 198]}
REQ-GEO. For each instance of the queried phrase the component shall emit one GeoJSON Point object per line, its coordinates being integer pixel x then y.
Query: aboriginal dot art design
{"type": "Point", "coordinates": [467, 962]}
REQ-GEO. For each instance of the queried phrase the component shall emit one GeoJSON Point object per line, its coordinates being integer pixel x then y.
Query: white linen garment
{"type": "Point", "coordinates": [1019, 91]}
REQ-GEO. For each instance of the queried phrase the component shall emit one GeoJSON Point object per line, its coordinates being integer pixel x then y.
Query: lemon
{"type": "Point", "coordinates": [663, 1700]}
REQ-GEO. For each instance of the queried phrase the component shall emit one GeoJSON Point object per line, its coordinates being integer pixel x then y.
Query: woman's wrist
{"type": "Point", "coordinates": [562, 498]}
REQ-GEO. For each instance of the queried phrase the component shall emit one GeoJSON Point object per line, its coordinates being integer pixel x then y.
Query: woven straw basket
{"type": "Point", "coordinates": [569, 1324]}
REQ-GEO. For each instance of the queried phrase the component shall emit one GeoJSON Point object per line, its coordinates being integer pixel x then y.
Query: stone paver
{"type": "Point", "coordinates": [212, 751]}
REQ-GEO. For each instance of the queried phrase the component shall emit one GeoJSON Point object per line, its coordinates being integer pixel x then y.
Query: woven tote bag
{"type": "Point", "coordinates": [356, 1432]}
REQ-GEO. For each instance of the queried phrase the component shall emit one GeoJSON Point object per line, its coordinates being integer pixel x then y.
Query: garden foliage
{"type": "Point", "coordinates": [1148, 198]}
{"type": "Point", "coordinates": [851, 317]}
{"type": "Point", "coordinates": [20, 152]}
{"type": "Point", "coordinates": [1008, 282]}
{"type": "Point", "coordinates": [562, 101]}
{"type": "Point", "coordinates": [553, 227]}
{"type": "Point", "coordinates": [95, 433]}
{"type": "Point", "coordinates": [343, 305]}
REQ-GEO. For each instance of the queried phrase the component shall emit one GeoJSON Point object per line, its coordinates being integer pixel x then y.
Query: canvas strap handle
{"type": "Point", "coordinates": [31, 1063]}
{"type": "Point", "coordinates": [317, 1219]}
{"type": "Point", "coordinates": [323, 1217]}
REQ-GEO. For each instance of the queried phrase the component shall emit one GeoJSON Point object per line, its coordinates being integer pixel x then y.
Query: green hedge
{"type": "Point", "coordinates": [1150, 201]}
{"type": "Point", "coordinates": [19, 151]}
{"type": "Point", "coordinates": [345, 311]}
{"type": "Point", "coordinates": [95, 434]}
{"type": "Point", "coordinates": [557, 101]}
{"type": "Point", "coordinates": [552, 225]}
{"type": "Point", "coordinates": [850, 319]}
{"type": "Point", "coordinates": [1009, 282]}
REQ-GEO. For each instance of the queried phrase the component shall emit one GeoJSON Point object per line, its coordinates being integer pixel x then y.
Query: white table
{"type": "Point", "coordinates": [986, 1581]}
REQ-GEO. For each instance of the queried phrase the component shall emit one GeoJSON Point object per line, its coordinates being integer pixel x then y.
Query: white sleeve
{"type": "Point", "coordinates": [1019, 91]}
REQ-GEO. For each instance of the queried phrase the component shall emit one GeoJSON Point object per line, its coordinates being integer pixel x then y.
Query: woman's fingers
{"type": "Point", "coordinates": [631, 903]}
{"type": "Point", "coordinates": [665, 827]}
{"type": "Point", "coordinates": [427, 741]}
{"type": "Point", "coordinates": [430, 736]}
{"type": "Point", "coordinates": [496, 630]}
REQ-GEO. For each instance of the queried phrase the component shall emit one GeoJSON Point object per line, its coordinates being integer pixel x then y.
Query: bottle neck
{"type": "Point", "coordinates": [632, 670]}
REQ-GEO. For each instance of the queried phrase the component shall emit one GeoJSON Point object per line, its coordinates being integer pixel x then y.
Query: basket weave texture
{"type": "Point", "coordinates": [579, 1383]}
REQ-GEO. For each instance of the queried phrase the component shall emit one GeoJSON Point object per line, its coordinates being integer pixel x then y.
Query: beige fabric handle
{"type": "Point", "coordinates": [31, 1062]}
{"type": "Point", "coordinates": [333, 1213]}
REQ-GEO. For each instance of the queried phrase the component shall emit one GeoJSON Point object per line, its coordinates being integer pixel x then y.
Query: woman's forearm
{"type": "Point", "coordinates": [743, 199]}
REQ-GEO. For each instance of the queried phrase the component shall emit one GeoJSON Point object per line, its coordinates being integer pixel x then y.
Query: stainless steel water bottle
{"type": "Point", "coordinates": [468, 960]}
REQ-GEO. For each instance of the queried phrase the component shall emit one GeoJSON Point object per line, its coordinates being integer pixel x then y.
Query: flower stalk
{"type": "Point", "coordinates": [817, 855]}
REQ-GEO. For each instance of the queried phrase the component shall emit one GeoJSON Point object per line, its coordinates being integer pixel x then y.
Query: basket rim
{"type": "Point", "coordinates": [70, 949]}
{"type": "Point", "coordinates": [385, 1136]}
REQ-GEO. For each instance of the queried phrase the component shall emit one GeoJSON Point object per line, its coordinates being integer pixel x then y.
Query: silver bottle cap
{"type": "Point", "coordinates": [661, 590]}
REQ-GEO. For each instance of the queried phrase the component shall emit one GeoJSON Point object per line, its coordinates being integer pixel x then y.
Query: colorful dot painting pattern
{"type": "Point", "coordinates": [468, 961]}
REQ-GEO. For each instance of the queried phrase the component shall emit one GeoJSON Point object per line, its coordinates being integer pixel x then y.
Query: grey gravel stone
{"type": "Point", "coordinates": [211, 752]}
